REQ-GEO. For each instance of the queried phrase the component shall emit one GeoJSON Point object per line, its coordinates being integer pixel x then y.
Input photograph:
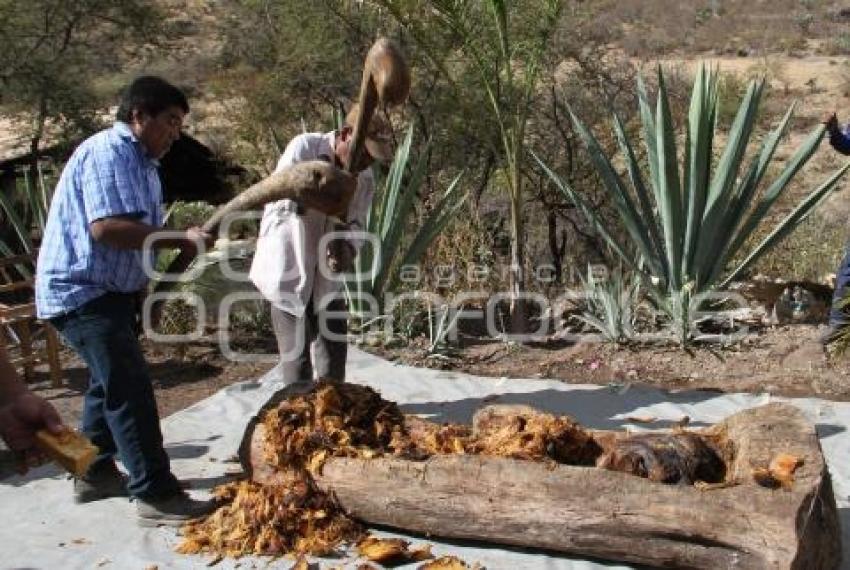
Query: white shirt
{"type": "Point", "coordinates": [300, 235]}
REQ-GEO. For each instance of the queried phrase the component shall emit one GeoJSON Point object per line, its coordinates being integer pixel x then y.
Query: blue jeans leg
{"type": "Point", "coordinates": [119, 412]}
{"type": "Point", "coordinates": [839, 317]}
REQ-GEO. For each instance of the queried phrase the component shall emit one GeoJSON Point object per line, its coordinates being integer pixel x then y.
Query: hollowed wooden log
{"type": "Point", "coordinates": [594, 512]}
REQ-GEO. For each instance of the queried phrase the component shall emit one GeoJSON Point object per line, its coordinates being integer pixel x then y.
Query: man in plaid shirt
{"type": "Point", "coordinates": [89, 273]}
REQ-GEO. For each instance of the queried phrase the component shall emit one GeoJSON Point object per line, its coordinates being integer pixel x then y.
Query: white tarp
{"type": "Point", "coordinates": [43, 528]}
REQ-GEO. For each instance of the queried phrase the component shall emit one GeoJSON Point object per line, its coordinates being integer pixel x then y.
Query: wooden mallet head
{"type": "Point", "coordinates": [386, 80]}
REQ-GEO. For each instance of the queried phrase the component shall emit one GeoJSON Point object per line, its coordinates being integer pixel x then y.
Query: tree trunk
{"type": "Point", "coordinates": [517, 274]}
{"type": "Point", "coordinates": [555, 248]}
{"type": "Point", "coordinates": [611, 515]}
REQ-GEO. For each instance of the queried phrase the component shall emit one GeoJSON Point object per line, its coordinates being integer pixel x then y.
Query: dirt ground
{"type": "Point", "coordinates": [784, 360]}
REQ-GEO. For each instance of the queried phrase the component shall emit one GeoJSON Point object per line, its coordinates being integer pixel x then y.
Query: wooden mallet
{"type": "Point", "coordinates": [386, 81]}
{"type": "Point", "coordinates": [315, 184]}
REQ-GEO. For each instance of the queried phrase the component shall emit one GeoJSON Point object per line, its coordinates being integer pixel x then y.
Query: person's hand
{"type": "Point", "coordinates": [341, 256]}
{"type": "Point", "coordinates": [341, 253]}
{"type": "Point", "coordinates": [195, 235]}
{"type": "Point", "coordinates": [831, 121]}
{"type": "Point", "coordinates": [20, 419]}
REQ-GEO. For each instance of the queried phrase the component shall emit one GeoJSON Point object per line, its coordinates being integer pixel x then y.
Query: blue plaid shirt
{"type": "Point", "coordinates": [108, 175]}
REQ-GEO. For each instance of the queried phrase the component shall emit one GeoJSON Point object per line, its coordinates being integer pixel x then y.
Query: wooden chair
{"type": "Point", "coordinates": [19, 326]}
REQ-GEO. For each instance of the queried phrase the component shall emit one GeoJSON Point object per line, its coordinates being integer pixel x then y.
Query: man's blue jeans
{"type": "Point", "coordinates": [119, 413]}
{"type": "Point", "coordinates": [840, 317]}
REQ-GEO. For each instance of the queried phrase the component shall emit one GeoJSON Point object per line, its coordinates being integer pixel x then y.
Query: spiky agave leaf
{"type": "Point", "coordinates": [701, 221]}
{"type": "Point", "coordinates": [390, 219]}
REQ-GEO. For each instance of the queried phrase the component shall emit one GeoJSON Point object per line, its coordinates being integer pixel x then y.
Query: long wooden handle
{"type": "Point", "coordinates": [368, 104]}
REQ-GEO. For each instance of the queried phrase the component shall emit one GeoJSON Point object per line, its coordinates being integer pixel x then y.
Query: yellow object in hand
{"type": "Point", "coordinates": [70, 449]}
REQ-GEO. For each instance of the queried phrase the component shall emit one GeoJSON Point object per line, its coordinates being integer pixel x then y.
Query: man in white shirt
{"type": "Point", "coordinates": [305, 296]}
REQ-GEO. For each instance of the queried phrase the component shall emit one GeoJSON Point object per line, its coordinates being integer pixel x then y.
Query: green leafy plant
{"type": "Point", "coordinates": [839, 45]}
{"type": "Point", "coordinates": [212, 284]}
{"type": "Point", "coordinates": [689, 222]}
{"type": "Point", "coordinates": [611, 304]}
{"type": "Point", "coordinates": [392, 218]}
{"type": "Point", "coordinates": [178, 317]}
{"type": "Point", "coordinates": [503, 49]}
{"type": "Point", "coordinates": [25, 212]}
{"type": "Point", "coordinates": [181, 215]}
{"type": "Point", "coordinates": [441, 321]}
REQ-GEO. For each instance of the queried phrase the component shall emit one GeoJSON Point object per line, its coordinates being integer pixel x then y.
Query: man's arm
{"type": "Point", "coordinates": [113, 205]}
{"type": "Point", "coordinates": [298, 150]}
{"type": "Point", "coordinates": [11, 385]}
{"type": "Point", "coordinates": [123, 232]}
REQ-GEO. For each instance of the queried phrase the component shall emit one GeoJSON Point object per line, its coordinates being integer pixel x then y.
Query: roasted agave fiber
{"type": "Point", "coordinates": [349, 420]}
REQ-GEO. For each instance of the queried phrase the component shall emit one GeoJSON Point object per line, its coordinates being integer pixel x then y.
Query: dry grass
{"type": "Point", "coordinates": [729, 27]}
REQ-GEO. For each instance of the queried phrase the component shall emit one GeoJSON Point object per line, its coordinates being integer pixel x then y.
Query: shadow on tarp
{"type": "Point", "coordinates": [827, 430]}
{"type": "Point", "coordinates": [187, 450]}
{"type": "Point", "coordinates": [844, 518]}
{"type": "Point", "coordinates": [179, 450]}
{"type": "Point", "coordinates": [595, 409]}
{"type": "Point", "coordinates": [46, 471]}
{"type": "Point", "coordinates": [208, 483]}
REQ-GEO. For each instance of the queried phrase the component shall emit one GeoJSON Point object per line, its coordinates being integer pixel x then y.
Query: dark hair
{"type": "Point", "coordinates": [150, 95]}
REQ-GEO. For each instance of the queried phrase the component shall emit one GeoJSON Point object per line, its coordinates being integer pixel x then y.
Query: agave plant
{"type": "Point", "coordinates": [33, 215]}
{"type": "Point", "coordinates": [392, 219]}
{"type": "Point", "coordinates": [688, 223]}
{"type": "Point", "coordinates": [611, 304]}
